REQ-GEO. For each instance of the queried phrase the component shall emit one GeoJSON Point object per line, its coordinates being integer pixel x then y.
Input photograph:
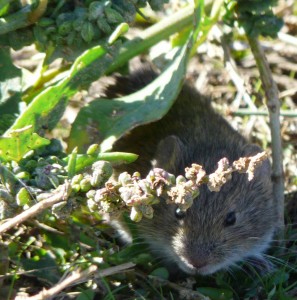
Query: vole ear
{"type": "Point", "coordinates": [265, 168]}
{"type": "Point", "coordinates": [170, 154]}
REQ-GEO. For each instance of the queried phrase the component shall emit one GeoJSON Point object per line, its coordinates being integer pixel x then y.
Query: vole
{"type": "Point", "coordinates": [221, 228]}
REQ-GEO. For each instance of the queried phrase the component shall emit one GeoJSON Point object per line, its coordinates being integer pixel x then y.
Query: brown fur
{"type": "Point", "coordinates": [192, 132]}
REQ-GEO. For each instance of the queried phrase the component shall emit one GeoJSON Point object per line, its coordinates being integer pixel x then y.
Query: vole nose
{"type": "Point", "coordinates": [200, 255]}
{"type": "Point", "coordinates": [198, 262]}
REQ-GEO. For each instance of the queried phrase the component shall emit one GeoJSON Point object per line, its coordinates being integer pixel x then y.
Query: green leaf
{"type": "Point", "coordinates": [23, 197]}
{"type": "Point", "coordinates": [257, 17]}
{"type": "Point", "coordinates": [19, 142]}
{"type": "Point", "coordinates": [271, 293]}
{"type": "Point", "coordinates": [9, 180]}
{"type": "Point", "coordinates": [42, 262]}
{"type": "Point", "coordinates": [161, 273]}
{"type": "Point", "coordinates": [47, 108]}
{"type": "Point", "coordinates": [4, 7]}
{"type": "Point", "coordinates": [255, 7]}
{"type": "Point", "coordinates": [132, 251]}
{"type": "Point", "coordinates": [266, 25]}
{"type": "Point", "coordinates": [10, 88]}
{"type": "Point", "coordinates": [86, 295]}
{"type": "Point", "coordinates": [72, 163]}
{"type": "Point", "coordinates": [216, 294]}
{"type": "Point", "coordinates": [110, 119]}
{"type": "Point", "coordinates": [181, 37]}
{"type": "Point", "coordinates": [10, 77]}
{"type": "Point", "coordinates": [86, 160]}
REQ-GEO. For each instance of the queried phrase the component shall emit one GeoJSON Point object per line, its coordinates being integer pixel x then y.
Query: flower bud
{"type": "Point", "coordinates": [135, 214]}
{"type": "Point", "coordinates": [23, 197]}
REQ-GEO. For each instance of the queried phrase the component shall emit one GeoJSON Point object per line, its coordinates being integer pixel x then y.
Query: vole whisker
{"type": "Point", "coordinates": [281, 263]}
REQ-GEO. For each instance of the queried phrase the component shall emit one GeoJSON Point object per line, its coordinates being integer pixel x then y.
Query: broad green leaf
{"type": "Point", "coordinates": [110, 119]}
{"type": "Point", "coordinates": [47, 108]}
{"type": "Point", "coordinates": [86, 160]}
{"type": "Point", "coordinates": [19, 142]}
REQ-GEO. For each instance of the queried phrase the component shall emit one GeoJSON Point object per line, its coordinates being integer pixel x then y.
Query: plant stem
{"type": "Point", "coordinates": [153, 35]}
{"type": "Point", "coordinates": [250, 112]}
{"type": "Point", "coordinates": [273, 105]}
{"type": "Point", "coordinates": [15, 21]}
{"type": "Point", "coordinates": [143, 42]}
{"type": "Point", "coordinates": [25, 17]}
{"type": "Point", "coordinates": [60, 194]}
{"type": "Point", "coordinates": [79, 276]}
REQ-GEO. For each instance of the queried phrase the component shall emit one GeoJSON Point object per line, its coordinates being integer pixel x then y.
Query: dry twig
{"type": "Point", "coordinates": [60, 194]}
{"type": "Point", "coordinates": [273, 105]}
{"type": "Point", "coordinates": [78, 276]}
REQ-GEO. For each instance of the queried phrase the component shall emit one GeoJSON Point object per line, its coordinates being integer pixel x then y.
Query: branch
{"type": "Point", "coordinates": [250, 112]}
{"type": "Point", "coordinates": [60, 194]}
{"type": "Point", "coordinates": [273, 105]}
{"type": "Point", "coordinates": [152, 35]}
{"type": "Point", "coordinates": [77, 277]}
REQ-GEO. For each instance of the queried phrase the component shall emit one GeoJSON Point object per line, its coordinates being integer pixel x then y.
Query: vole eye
{"type": "Point", "coordinates": [230, 218]}
{"type": "Point", "coordinates": [180, 214]}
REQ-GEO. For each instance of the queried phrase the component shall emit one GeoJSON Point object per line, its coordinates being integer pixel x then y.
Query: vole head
{"type": "Point", "coordinates": [221, 228]}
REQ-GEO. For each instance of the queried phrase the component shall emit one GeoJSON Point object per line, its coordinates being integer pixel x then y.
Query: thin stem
{"type": "Point", "coordinates": [154, 34]}
{"type": "Point", "coordinates": [250, 112]}
{"type": "Point", "coordinates": [151, 36]}
{"type": "Point", "coordinates": [273, 105]}
{"type": "Point", "coordinates": [38, 86]}
{"type": "Point", "coordinates": [60, 194]}
{"type": "Point", "coordinates": [79, 276]}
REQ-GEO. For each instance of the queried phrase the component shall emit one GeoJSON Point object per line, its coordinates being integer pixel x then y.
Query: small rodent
{"type": "Point", "coordinates": [219, 229]}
